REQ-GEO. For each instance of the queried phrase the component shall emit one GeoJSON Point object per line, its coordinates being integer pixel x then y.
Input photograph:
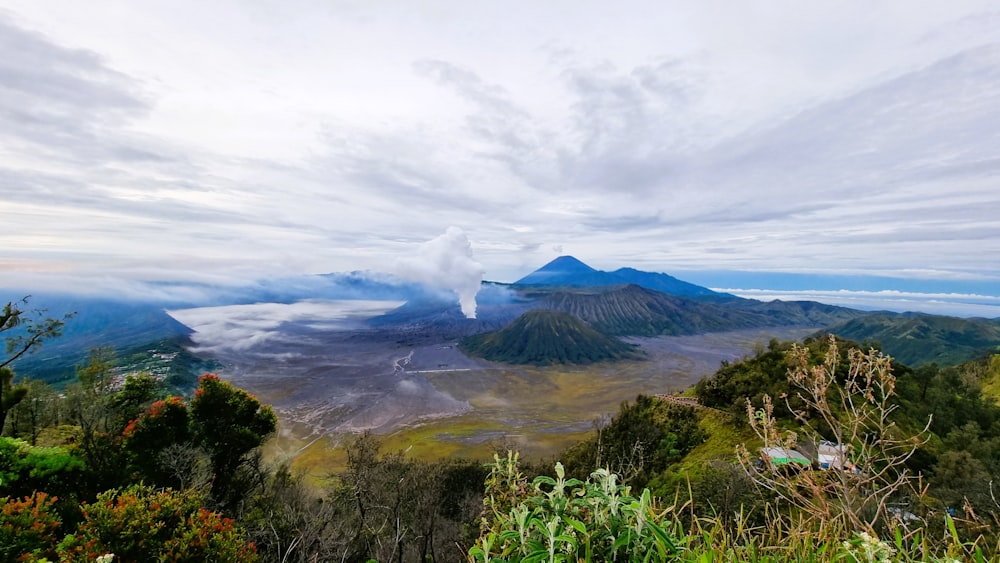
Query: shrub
{"type": "Point", "coordinates": [142, 524]}
{"type": "Point", "coordinates": [25, 468]}
{"type": "Point", "coordinates": [27, 527]}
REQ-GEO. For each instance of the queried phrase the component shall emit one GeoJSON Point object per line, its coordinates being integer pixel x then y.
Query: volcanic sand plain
{"type": "Point", "coordinates": [421, 395]}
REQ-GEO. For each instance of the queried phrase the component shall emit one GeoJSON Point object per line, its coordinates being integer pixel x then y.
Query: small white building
{"type": "Point", "coordinates": [785, 456]}
{"type": "Point", "coordinates": [831, 455]}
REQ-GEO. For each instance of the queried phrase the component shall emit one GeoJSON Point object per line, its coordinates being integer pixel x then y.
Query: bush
{"type": "Point", "coordinates": [25, 469]}
{"type": "Point", "coordinates": [141, 524]}
{"type": "Point", "coordinates": [27, 527]}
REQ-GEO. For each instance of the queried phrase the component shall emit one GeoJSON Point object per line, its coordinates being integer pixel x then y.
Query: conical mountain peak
{"type": "Point", "coordinates": [566, 264]}
{"type": "Point", "coordinates": [567, 271]}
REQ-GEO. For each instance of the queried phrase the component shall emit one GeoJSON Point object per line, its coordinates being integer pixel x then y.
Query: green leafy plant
{"type": "Point", "coordinates": [25, 468]}
{"type": "Point", "coordinates": [561, 519]}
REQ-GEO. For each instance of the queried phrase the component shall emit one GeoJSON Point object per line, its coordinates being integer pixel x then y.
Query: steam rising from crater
{"type": "Point", "coordinates": [446, 262]}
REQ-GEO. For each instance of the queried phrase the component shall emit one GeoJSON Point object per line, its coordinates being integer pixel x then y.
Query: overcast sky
{"type": "Point", "coordinates": [183, 140]}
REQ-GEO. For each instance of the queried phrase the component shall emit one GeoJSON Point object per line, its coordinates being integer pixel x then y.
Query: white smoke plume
{"type": "Point", "coordinates": [446, 262]}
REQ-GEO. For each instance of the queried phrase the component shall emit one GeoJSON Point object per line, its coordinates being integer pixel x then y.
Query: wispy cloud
{"type": "Point", "coordinates": [149, 143]}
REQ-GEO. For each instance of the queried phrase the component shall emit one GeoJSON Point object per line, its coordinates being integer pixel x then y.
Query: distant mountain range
{"type": "Point", "coordinates": [625, 302]}
{"type": "Point", "coordinates": [567, 271]}
{"type": "Point", "coordinates": [629, 302]}
{"type": "Point", "coordinates": [95, 323]}
{"type": "Point", "coordinates": [916, 338]}
{"type": "Point", "coordinates": [631, 310]}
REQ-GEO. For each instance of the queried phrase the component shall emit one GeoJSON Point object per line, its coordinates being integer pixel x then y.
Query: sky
{"type": "Point", "coordinates": [749, 146]}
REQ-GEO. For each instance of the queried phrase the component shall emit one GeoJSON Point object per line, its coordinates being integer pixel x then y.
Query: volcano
{"type": "Point", "coordinates": [567, 271]}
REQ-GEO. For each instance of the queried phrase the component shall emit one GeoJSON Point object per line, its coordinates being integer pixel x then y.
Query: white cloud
{"type": "Point", "coordinates": [189, 141]}
{"type": "Point", "coordinates": [239, 328]}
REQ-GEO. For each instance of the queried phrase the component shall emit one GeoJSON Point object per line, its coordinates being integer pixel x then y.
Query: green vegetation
{"type": "Point", "coordinates": [877, 508]}
{"type": "Point", "coordinates": [918, 339]}
{"type": "Point", "coordinates": [548, 337]}
{"type": "Point", "coordinates": [991, 382]}
{"type": "Point", "coordinates": [87, 491]}
{"type": "Point", "coordinates": [632, 310]}
{"type": "Point", "coordinates": [641, 441]}
{"type": "Point", "coordinates": [116, 465]}
{"type": "Point", "coordinates": [28, 527]}
{"type": "Point", "coordinates": [567, 519]}
{"type": "Point", "coordinates": [140, 523]}
{"type": "Point", "coordinates": [751, 378]}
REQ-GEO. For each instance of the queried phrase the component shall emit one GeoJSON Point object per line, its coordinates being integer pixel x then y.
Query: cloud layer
{"type": "Point", "coordinates": [193, 142]}
{"type": "Point", "coordinates": [238, 328]}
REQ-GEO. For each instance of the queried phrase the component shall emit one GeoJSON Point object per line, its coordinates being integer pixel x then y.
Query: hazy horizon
{"type": "Point", "coordinates": [858, 292]}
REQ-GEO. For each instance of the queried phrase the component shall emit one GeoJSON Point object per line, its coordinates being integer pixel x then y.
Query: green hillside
{"type": "Point", "coordinates": [631, 310]}
{"type": "Point", "coordinates": [917, 339]}
{"type": "Point", "coordinates": [546, 338]}
{"type": "Point", "coordinates": [636, 311]}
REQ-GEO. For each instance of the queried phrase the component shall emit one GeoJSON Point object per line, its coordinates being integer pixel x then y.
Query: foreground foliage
{"type": "Point", "coordinates": [559, 519]}
{"type": "Point", "coordinates": [110, 466]}
{"type": "Point", "coordinates": [867, 504]}
{"type": "Point", "coordinates": [567, 519]}
{"type": "Point", "coordinates": [107, 490]}
{"type": "Point", "coordinates": [142, 524]}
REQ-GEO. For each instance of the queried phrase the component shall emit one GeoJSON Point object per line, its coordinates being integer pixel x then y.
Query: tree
{"type": "Point", "coordinates": [289, 523]}
{"type": "Point", "coordinates": [164, 425]}
{"type": "Point", "coordinates": [24, 334]}
{"type": "Point", "coordinates": [38, 411]}
{"type": "Point", "coordinates": [391, 508]}
{"type": "Point", "coordinates": [229, 424]}
{"type": "Point", "coordinates": [33, 330]}
{"type": "Point", "coordinates": [90, 409]}
{"type": "Point", "coordinates": [10, 395]}
{"type": "Point", "coordinates": [138, 391]}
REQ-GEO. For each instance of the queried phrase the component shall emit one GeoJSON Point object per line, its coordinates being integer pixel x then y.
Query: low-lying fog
{"type": "Point", "coordinates": [242, 328]}
{"type": "Point", "coordinates": [318, 364]}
